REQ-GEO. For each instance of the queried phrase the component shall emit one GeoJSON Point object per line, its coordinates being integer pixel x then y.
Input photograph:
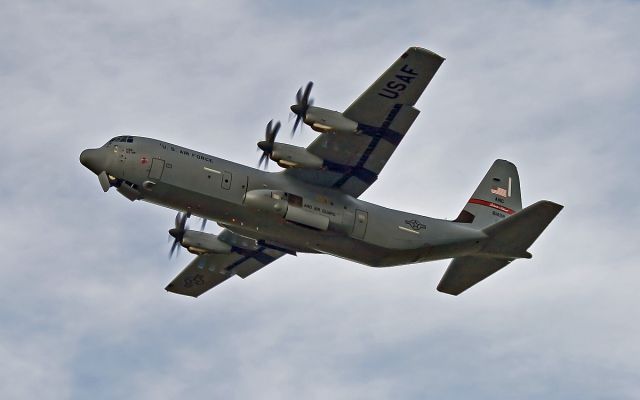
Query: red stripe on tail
{"type": "Point", "coordinates": [492, 205]}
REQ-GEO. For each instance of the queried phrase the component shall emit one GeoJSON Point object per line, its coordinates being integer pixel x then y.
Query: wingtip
{"type": "Point", "coordinates": [443, 289]}
{"type": "Point", "coordinates": [423, 50]}
{"type": "Point", "coordinates": [445, 292]}
{"type": "Point", "coordinates": [170, 286]}
{"type": "Point", "coordinates": [551, 205]}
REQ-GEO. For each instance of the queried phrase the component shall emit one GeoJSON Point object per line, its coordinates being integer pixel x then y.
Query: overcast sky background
{"type": "Point", "coordinates": [552, 86]}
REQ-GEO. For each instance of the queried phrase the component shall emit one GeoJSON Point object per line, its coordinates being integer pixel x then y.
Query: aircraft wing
{"type": "Point", "coordinates": [384, 113]}
{"type": "Point", "coordinates": [209, 270]}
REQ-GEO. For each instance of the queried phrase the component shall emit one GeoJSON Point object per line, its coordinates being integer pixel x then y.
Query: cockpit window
{"type": "Point", "coordinates": [120, 139]}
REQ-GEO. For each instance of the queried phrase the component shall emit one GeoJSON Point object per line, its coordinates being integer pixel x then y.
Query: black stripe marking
{"type": "Point", "coordinates": [377, 134]}
{"type": "Point", "coordinates": [361, 173]}
{"type": "Point", "coordinates": [258, 255]}
{"type": "Point", "coordinates": [387, 134]}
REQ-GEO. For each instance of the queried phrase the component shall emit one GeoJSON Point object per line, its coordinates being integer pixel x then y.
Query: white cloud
{"type": "Point", "coordinates": [550, 86]}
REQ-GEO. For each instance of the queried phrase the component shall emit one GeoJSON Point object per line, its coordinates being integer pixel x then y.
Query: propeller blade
{"type": "Point", "coordinates": [270, 134]}
{"type": "Point", "coordinates": [173, 248]}
{"type": "Point", "coordinates": [276, 128]}
{"type": "Point", "coordinates": [272, 131]}
{"type": "Point", "coordinates": [264, 157]}
{"type": "Point", "coordinates": [307, 92]}
{"type": "Point", "coordinates": [303, 102]}
{"type": "Point", "coordinates": [299, 96]}
{"type": "Point", "coordinates": [267, 131]}
{"type": "Point", "coordinates": [178, 231]}
{"type": "Point", "coordinates": [295, 125]}
{"type": "Point", "coordinates": [181, 220]}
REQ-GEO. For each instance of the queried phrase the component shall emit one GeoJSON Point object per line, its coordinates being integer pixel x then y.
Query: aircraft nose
{"type": "Point", "coordinates": [94, 160]}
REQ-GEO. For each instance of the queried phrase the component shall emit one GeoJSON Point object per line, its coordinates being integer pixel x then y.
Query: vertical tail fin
{"type": "Point", "coordinates": [497, 197]}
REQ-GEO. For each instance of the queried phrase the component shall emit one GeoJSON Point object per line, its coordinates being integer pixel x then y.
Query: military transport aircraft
{"type": "Point", "coordinates": [312, 206]}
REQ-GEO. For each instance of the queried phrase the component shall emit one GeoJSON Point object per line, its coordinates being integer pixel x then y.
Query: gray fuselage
{"type": "Point", "coordinates": [216, 189]}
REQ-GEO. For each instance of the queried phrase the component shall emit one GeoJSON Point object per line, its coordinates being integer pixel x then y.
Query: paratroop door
{"type": "Point", "coordinates": [157, 167]}
{"type": "Point", "coordinates": [360, 224]}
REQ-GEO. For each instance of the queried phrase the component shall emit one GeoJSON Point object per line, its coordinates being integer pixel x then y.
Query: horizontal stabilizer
{"type": "Point", "coordinates": [511, 237]}
{"type": "Point", "coordinates": [464, 272]}
{"type": "Point", "coordinates": [507, 240]}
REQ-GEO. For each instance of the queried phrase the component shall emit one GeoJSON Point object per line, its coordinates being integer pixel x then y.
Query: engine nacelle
{"type": "Point", "coordinates": [277, 202]}
{"type": "Point", "coordinates": [202, 243]}
{"type": "Point", "coordinates": [267, 200]}
{"type": "Point", "coordinates": [288, 156]}
{"type": "Point", "coordinates": [324, 120]}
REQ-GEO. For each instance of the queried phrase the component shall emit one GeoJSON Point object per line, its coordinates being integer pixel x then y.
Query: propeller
{"type": "Point", "coordinates": [266, 145]}
{"type": "Point", "coordinates": [178, 231]}
{"type": "Point", "coordinates": [302, 106]}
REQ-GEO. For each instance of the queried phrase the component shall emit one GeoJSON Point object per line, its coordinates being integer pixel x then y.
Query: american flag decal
{"type": "Point", "coordinates": [499, 191]}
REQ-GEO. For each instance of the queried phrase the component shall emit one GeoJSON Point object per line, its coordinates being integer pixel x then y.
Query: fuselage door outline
{"type": "Point", "coordinates": [360, 224]}
{"type": "Point", "coordinates": [157, 168]}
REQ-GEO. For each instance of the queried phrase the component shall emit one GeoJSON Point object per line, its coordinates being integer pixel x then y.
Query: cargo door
{"type": "Point", "coordinates": [360, 224]}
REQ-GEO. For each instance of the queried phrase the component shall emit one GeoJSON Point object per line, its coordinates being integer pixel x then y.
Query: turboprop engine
{"type": "Point", "coordinates": [286, 155]}
{"type": "Point", "coordinates": [319, 119]}
{"type": "Point", "coordinates": [289, 156]}
{"type": "Point", "coordinates": [198, 242]}
{"type": "Point", "coordinates": [325, 120]}
{"type": "Point", "coordinates": [287, 206]}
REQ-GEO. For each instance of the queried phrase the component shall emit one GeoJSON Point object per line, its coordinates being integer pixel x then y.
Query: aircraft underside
{"type": "Point", "coordinates": [282, 234]}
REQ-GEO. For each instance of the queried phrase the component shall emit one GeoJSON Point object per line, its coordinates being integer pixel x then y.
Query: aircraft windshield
{"type": "Point", "coordinates": [120, 139]}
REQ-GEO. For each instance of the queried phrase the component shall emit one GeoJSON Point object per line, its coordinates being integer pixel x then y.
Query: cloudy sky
{"type": "Point", "coordinates": [552, 86]}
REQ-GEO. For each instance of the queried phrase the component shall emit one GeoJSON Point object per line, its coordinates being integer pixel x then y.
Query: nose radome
{"type": "Point", "coordinates": [93, 159]}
